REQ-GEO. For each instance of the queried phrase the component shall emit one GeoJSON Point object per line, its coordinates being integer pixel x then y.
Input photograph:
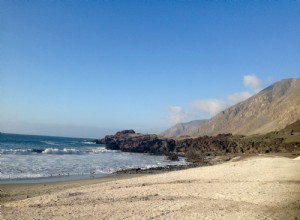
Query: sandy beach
{"type": "Point", "coordinates": [255, 188]}
{"type": "Point", "coordinates": [17, 191]}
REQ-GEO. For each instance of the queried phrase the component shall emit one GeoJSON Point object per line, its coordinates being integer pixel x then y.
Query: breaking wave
{"type": "Point", "coordinates": [95, 150]}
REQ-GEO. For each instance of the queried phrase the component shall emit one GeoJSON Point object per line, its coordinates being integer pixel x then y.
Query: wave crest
{"type": "Point", "coordinates": [95, 150]}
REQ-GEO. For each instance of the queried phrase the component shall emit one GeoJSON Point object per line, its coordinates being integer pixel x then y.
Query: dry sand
{"type": "Point", "coordinates": [255, 188]}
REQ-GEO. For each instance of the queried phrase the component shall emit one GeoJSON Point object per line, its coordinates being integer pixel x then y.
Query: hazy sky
{"type": "Point", "coordinates": [89, 68]}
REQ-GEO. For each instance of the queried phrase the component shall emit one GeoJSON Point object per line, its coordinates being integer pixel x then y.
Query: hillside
{"type": "Point", "coordinates": [183, 128]}
{"type": "Point", "coordinates": [294, 127]}
{"type": "Point", "coordinates": [271, 109]}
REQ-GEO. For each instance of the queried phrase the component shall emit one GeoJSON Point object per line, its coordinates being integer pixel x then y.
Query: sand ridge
{"type": "Point", "coordinates": [255, 188]}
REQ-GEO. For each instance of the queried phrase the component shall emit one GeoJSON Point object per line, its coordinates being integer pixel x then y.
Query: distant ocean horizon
{"type": "Point", "coordinates": [36, 157]}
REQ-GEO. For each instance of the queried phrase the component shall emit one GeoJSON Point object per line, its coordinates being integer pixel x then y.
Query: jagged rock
{"type": "Point", "coordinates": [125, 132]}
{"type": "Point", "coordinates": [197, 149]}
{"type": "Point", "coordinates": [129, 141]}
{"type": "Point", "coordinates": [202, 149]}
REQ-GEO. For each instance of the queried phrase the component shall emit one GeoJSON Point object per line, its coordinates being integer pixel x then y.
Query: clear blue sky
{"type": "Point", "coordinates": [89, 68]}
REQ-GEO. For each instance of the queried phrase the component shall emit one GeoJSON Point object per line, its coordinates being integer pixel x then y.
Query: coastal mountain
{"type": "Point", "coordinates": [183, 128]}
{"type": "Point", "coordinates": [294, 127]}
{"type": "Point", "coordinates": [272, 109]}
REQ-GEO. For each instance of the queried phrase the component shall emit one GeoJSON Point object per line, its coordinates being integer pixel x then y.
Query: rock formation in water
{"type": "Point", "coordinates": [129, 141]}
{"type": "Point", "coordinates": [199, 149]}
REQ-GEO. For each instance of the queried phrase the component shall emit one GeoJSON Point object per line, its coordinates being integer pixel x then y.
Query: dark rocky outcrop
{"type": "Point", "coordinates": [198, 149]}
{"type": "Point", "coordinates": [202, 150]}
{"type": "Point", "coordinates": [129, 141]}
{"type": "Point", "coordinates": [125, 132]}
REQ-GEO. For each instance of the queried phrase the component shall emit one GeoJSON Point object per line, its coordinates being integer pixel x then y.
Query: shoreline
{"type": "Point", "coordinates": [21, 189]}
{"type": "Point", "coordinates": [10, 192]}
{"type": "Point", "coordinates": [259, 187]}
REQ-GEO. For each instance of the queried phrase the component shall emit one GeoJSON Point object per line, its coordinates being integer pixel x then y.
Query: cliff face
{"type": "Point", "coordinates": [269, 110]}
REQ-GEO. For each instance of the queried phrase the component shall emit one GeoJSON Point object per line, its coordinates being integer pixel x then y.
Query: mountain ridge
{"type": "Point", "coordinates": [271, 109]}
{"type": "Point", "coordinates": [182, 128]}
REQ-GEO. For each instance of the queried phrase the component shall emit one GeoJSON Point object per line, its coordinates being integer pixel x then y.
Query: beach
{"type": "Point", "coordinates": [254, 188]}
{"type": "Point", "coordinates": [18, 191]}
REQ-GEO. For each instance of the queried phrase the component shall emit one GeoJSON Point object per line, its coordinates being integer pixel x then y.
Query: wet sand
{"type": "Point", "coordinates": [254, 188]}
{"type": "Point", "coordinates": [18, 191]}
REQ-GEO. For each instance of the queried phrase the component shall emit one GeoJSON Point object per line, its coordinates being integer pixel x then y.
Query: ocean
{"type": "Point", "coordinates": [42, 158]}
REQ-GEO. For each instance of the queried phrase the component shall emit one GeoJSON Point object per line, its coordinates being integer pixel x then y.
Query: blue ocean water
{"type": "Point", "coordinates": [25, 157]}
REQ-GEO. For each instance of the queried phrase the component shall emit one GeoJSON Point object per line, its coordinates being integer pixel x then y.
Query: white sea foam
{"type": "Point", "coordinates": [49, 142]}
{"type": "Point", "coordinates": [102, 150]}
{"type": "Point", "coordinates": [18, 166]}
{"type": "Point", "coordinates": [76, 151]}
{"type": "Point", "coordinates": [88, 142]}
{"type": "Point", "coordinates": [95, 150]}
{"type": "Point", "coordinates": [50, 151]}
{"type": "Point", "coordinates": [60, 151]}
{"type": "Point", "coordinates": [13, 151]}
{"type": "Point", "coordinates": [26, 157]}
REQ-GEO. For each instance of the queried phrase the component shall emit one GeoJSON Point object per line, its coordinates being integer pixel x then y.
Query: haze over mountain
{"type": "Point", "coordinates": [269, 110]}
{"type": "Point", "coordinates": [183, 128]}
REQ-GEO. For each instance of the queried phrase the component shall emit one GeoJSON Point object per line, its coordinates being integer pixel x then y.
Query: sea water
{"type": "Point", "coordinates": [30, 157]}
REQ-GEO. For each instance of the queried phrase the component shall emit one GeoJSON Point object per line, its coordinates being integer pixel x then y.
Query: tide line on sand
{"type": "Point", "coordinates": [256, 188]}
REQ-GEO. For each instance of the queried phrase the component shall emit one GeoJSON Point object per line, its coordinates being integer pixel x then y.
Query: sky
{"type": "Point", "coordinates": [89, 68]}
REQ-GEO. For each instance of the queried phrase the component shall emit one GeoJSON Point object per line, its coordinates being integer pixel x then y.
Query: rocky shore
{"type": "Point", "coordinates": [204, 150]}
{"type": "Point", "coordinates": [155, 170]}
